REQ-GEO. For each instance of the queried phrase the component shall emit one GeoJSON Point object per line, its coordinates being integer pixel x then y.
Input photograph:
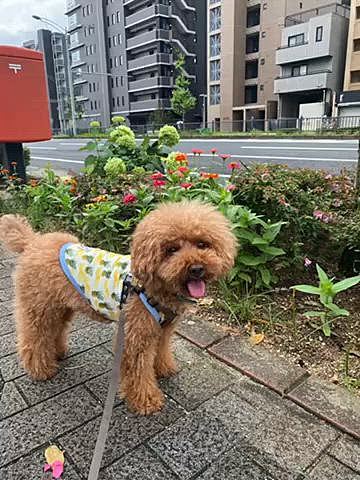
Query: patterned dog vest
{"type": "Point", "coordinates": [97, 275]}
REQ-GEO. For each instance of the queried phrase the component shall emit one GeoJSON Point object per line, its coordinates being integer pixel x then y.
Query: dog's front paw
{"type": "Point", "coordinates": [164, 370]}
{"type": "Point", "coordinates": [147, 402]}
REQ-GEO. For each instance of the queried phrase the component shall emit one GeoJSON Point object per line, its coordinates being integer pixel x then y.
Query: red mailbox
{"type": "Point", "coordinates": [24, 110]}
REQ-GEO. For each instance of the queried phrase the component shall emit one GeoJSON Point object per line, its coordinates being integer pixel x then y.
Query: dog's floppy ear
{"type": "Point", "coordinates": [145, 253]}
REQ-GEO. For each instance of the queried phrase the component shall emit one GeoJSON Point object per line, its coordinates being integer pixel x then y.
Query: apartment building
{"type": "Point", "coordinates": [312, 62]}
{"type": "Point", "coordinates": [53, 46]}
{"type": "Point", "coordinates": [349, 99]}
{"type": "Point", "coordinates": [243, 37]}
{"type": "Point", "coordinates": [123, 54]}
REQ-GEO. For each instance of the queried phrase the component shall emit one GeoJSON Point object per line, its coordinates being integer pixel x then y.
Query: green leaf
{"type": "Point", "coordinates": [307, 289]}
{"type": "Point", "coordinates": [345, 284]}
{"type": "Point", "coordinates": [273, 251]}
{"type": "Point", "coordinates": [341, 312]}
{"type": "Point", "coordinates": [245, 277]}
{"type": "Point", "coordinates": [326, 329]}
{"type": "Point", "coordinates": [322, 275]}
{"type": "Point", "coordinates": [259, 241]}
{"type": "Point", "coordinates": [313, 314]}
{"type": "Point", "coordinates": [265, 275]}
{"type": "Point", "coordinates": [272, 231]}
{"type": "Point", "coordinates": [251, 261]}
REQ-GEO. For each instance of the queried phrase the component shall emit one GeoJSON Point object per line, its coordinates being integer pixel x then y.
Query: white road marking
{"type": "Point", "coordinates": [262, 157]}
{"type": "Point", "coordinates": [298, 148]}
{"type": "Point", "coordinates": [267, 140]}
{"type": "Point", "coordinates": [43, 148]}
{"type": "Point", "coordinates": [63, 160]}
{"type": "Point", "coordinates": [73, 143]}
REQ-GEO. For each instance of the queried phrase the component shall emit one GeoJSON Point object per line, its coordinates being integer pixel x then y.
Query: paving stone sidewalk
{"type": "Point", "coordinates": [232, 412]}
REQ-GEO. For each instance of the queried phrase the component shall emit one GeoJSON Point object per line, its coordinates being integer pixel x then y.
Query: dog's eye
{"type": "Point", "coordinates": [172, 249]}
{"type": "Point", "coordinates": [203, 245]}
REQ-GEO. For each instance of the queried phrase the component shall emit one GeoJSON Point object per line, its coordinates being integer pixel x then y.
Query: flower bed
{"type": "Point", "coordinates": [286, 221]}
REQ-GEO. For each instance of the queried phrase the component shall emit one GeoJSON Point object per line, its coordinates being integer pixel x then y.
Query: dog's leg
{"type": "Point", "coordinates": [62, 333]}
{"type": "Point", "coordinates": [139, 385]}
{"type": "Point", "coordinates": [36, 341]}
{"type": "Point", "coordinates": [165, 365]}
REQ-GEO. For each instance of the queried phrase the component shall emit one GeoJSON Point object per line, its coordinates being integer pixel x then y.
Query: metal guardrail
{"type": "Point", "coordinates": [317, 124]}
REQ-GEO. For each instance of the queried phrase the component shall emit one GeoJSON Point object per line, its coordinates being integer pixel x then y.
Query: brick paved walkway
{"type": "Point", "coordinates": [217, 424]}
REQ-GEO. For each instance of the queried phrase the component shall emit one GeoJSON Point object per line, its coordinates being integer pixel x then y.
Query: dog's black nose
{"type": "Point", "coordinates": [196, 271]}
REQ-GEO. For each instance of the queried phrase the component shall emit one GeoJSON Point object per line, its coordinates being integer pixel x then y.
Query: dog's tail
{"type": "Point", "coordinates": [15, 232]}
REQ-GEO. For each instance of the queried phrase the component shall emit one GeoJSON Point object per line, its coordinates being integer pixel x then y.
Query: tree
{"type": "Point", "coordinates": [182, 100]}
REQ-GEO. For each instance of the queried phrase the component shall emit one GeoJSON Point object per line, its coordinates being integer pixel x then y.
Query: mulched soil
{"type": "Point", "coordinates": [290, 334]}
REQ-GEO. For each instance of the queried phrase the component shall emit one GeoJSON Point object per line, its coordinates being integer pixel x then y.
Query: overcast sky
{"type": "Point", "coordinates": [16, 24]}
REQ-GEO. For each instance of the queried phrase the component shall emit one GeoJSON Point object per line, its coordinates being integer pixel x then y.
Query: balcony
{"type": "Point", "coordinates": [149, 83]}
{"type": "Point", "coordinates": [147, 37]}
{"type": "Point", "coordinates": [145, 105]}
{"type": "Point", "coordinates": [147, 13]}
{"type": "Point", "coordinates": [302, 52]}
{"type": "Point", "coordinates": [312, 81]}
{"type": "Point", "coordinates": [71, 6]}
{"type": "Point", "coordinates": [149, 60]}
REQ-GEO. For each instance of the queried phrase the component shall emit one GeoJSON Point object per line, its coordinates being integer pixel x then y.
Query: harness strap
{"type": "Point", "coordinates": [108, 407]}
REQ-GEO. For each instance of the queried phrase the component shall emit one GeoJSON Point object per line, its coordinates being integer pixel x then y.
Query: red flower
{"type": "Point", "coordinates": [197, 151]}
{"type": "Point", "coordinates": [159, 183]}
{"type": "Point", "coordinates": [186, 185]}
{"type": "Point", "coordinates": [129, 198]}
{"type": "Point", "coordinates": [234, 166]}
{"type": "Point", "coordinates": [181, 158]}
{"type": "Point", "coordinates": [214, 176]}
{"type": "Point", "coordinates": [183, 169]}
{"type": "Point", "coordinates": [214, 150]}
{"type": "Point", "coordinates": [157, 176]}
{"type": "Point", "coordinates": [224, 157]}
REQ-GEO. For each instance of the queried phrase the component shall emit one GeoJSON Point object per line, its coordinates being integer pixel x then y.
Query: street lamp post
{"type": "Point", "coordinates": [204, 97]}
{"type": "Point", "coordinates": [68, 61]}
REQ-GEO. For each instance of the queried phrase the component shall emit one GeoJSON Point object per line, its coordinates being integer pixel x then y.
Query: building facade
{"type": "Point", "coordinates": [123, 55]}
{"type": "Point", "coordinates": [349, 99]}
{"type": "Point", "coordinates": [53, 47]}
{"type": "Point", "coordinates": [312, 61]}
{"type": "Point", "coordinates": [243, 37]}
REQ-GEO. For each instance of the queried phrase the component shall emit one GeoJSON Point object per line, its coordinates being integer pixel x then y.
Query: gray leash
{"type": "Point", "coordinates": [109, 403]}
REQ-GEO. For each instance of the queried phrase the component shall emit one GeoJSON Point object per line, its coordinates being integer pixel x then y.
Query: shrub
{"type": "Point", "coordinates": [117, 120]}
{"type": "Point", "coordinates": [168, 136]}
{"type": "Point", "coordinates": [114, 167]}
{"type": "Point", "coordinates": [95, 124]}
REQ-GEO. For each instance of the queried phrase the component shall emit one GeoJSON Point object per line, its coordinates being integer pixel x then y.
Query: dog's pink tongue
{"type": "Point", "coordinates": [197, 288]}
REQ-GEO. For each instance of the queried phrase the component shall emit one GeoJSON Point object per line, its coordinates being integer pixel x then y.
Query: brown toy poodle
{"type": "Point", "coordinates": [176, 250]}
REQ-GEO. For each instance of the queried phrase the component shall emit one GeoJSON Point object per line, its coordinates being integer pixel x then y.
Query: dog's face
{"type": "Point", "coordinates": [180, 247]}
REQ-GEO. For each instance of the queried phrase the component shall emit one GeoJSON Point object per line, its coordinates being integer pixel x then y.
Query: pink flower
{"type": "Point", "coordinates": [322, 216]}
{"type": "Point", "coordinates": [186, 185]}
{"type": "Point", "coordinates": [197, 151]}
{"type": "Point", "coordinates": [224, 157]}
{"type": "Point", "coordinates": [159, 183]}
{"type": "Point", "coordinates": [231, 187]}
{"type": "Point", "coordinates": [307, 262]}
{"type": "Point", "coordinates": [337, 202]}
{"type": "Point", "coordinates": [157, 176]}
{"type": "Point", "coordinates": [214, 151]}
{"type": "Point", "coordinates": [282, 201]}
{"type": "Point", "coordinates": [234, 166]}
{"type": "Point", "coordinates": [328, 176]}
{"type": "Point", "coordinates": [129, 198]}
{"type": "Point", "coordinates": [183, 170]}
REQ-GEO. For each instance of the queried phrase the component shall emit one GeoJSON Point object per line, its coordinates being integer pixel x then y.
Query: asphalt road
{"type": "Point", "coordinates": [331, 155]}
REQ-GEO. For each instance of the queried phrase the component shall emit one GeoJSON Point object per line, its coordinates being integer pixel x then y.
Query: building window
{"type": "Point", "coordinates": [251, 94]}
{"type": "Point", "coordinates": [299, 70]}
{"type": "Point", "coordinates": [358, 12]}
{"type": "Point", "coordinates": [214, 70]}
{"type": "Point", "coordinates": [75, 57]}
{"type": "Point", "coordinates": [252, 43]}
{"type": "Point", "coordinates": [295, 40]}
{"type": "Point", "coordinates": [253, 16]}
{"type": "Point", "coordinates": [72, 20]}
{"type": "Point", "coordinates": [215, 45]}
{"type": "Point", "coordinates": [251, 69]}
{"type": "Point", "coordinates": [215, 96]}
{"type": "Point", "coordinates": [118, 17]}
{"type": "Point", "coordinates": [357, 45]}
{"type": "Point", "coordinates": [215, 19]}
{"type": "Point", "coordinates": [74, 38]}
{"type": "Point", "coordinates": [355, 76]}
{"type": "Point", "coordinates": [319, 34]}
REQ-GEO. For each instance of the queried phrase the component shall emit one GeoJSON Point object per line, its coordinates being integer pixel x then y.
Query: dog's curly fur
{"type": "Point", "coordinates": [165, 245]}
